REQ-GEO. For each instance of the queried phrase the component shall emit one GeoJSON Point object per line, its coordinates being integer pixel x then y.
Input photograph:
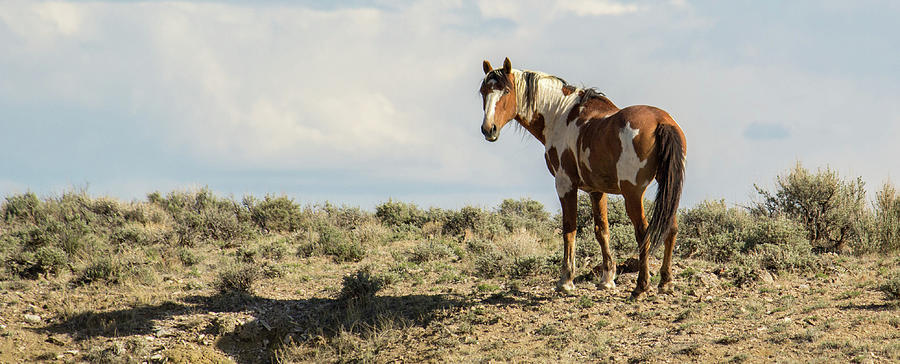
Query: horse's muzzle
{"type": "Point", "coordinates": [490, 134]}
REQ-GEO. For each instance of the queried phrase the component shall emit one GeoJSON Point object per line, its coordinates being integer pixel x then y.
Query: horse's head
{"type": "Point", "coordinates": [498, 96]}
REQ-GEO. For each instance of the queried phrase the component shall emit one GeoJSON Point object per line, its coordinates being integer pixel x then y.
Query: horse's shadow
{"type": "Point", "coordinates": [276, 322]}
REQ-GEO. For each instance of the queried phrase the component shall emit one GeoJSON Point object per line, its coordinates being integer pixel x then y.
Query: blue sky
{"type": "Point", "coordinates": [357, 102]}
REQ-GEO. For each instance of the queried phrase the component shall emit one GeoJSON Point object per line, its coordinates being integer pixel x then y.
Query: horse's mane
{"type": "Point", "coordinates": [532, 77]}
{"type": "Point", "coordinates": [592, 93]}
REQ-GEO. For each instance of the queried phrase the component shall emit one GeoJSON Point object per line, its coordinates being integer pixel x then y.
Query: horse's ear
{"type": "Point", "coordinates": [486, 66]}
{"type": "Point", "coordinates": [507, 67]}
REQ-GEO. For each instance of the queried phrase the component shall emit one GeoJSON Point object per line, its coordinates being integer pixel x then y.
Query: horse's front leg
{"type": "Point", "coordinates": [568, 199]}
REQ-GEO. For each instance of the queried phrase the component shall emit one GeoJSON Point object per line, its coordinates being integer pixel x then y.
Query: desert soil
{"type": "Point", "coordinates": [438, 312]}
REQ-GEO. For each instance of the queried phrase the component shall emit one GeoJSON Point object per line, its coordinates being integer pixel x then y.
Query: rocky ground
{"type": "Point", "coordinates": [437, 311]}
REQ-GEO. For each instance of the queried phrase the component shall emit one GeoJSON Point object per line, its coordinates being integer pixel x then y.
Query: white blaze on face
{"type": "Point", "coordinates": [629, 163]}
{"type": "Point", "coordinates": [490, 104]}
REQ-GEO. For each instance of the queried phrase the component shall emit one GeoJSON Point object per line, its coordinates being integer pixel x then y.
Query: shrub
{"type": "Point", "coordinates": [238, 278]}
{"type": "Point", "coordinates": [334, 242]}
{"type": "Point", "coordinates": [516, 255]}
{"type": "Point", "coordinates": [50, 259]}
{"type": "Point", "coordinates": [887, 219]}
{"type": "Point", "coordinates": [523, 213]}
{"type": "Point", "coordinates": [526, 266]}
{"type": "Point", "coordinates": [429, 250]}
{"type": "Point", "coordinates": [891, 287]}
{"type": "Point", "coordinates": [393, 214]}
{"type": "Point", "coordinates": [779, 244]}
{"type": "Point", "coordinates": [712, 231]}
{"type": "Point", "coordinates": [22, 207]}
{"type": "Point", "coordinates": [828, 207]}
{"type": "Point", "coordinates": [275, 250]}
{"type": "Point", "coordinates": [188, 257]}
{"type": "Point", "coordinates": [134, 234]}
{"type": "Point", "coordinates": [622, 240]}
{"type": "Point", "coordinates": [201, 215]}
{"type": "Point", "coordinates": [31, 265]}
{"type": "Point", "coordinates": [346, 217]}
{"type": "Point", "coordinates": [361, 285]}
{"type": "Point", "coordinates": [104, 269]}
{"type": "Point", "coordinates": [490, 263]}
{"type": "Point", "coordinates": [274, 213]}
{"type": "Point", "coordinates": [467, 218]}
{"type": "Point", "coordinates": [107, 211]}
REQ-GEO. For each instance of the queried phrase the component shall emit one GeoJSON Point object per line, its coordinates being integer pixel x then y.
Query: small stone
{"type": "Point", "coordinates": [707, 279]}
{"type": "Point", "coordinates": [58, 339]}
{"type": "Point", "coordinates": [766, 277]}
{"type": "Point", "coordinates": [33, 319]}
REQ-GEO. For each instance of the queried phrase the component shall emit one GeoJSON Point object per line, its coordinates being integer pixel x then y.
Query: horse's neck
{"type": "Point", "coordinates": [548, 100]}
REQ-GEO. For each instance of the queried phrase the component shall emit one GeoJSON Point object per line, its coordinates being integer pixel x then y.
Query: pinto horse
{"type": "Point", "coordinates": [592, 145]}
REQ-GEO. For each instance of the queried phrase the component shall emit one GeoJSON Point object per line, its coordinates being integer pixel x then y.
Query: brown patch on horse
{"type": "Point", "coordinates": [536, 127]}
{"type": "Point", "coordinates": [553, 160]}
{"type": "Point", "coordinates": [568, 89]}
{"type": "Point", "coordinates": [570, 167]}
{"type": "Point", "coordinates": [573, 114]}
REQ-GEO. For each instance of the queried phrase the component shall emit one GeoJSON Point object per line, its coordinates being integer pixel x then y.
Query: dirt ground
{"type": "Point", "coordinates": [437, 312]}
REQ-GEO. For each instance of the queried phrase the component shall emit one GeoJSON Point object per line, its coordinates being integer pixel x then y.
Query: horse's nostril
{"type": "Point", "coordinates": [493, 129]}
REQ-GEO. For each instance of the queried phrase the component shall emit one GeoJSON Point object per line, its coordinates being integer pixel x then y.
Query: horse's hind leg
{"type": "Point", "coordinates": [665, 272]}
{"type": "Point", "coordinates": [601, 231]}
{"type": "Point", "coordinates": [634, 207]}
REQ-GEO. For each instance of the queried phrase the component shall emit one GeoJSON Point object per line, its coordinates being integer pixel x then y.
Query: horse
{"type": "Point", "coordinates": [593, 146]}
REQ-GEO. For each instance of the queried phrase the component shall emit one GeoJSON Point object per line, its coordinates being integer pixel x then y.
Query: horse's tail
{"type": "Point", "coordinates": [669, 177]}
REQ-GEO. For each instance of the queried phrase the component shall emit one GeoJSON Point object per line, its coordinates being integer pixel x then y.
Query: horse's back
{"type": "Point", "coordinates": [622, 146]}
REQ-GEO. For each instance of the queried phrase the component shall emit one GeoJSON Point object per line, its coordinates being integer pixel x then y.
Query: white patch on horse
{"type": "Point", "coordinates": [491, 103]}
{"type": "Point", "coordinates": [607, 279]}
{"type": "Point", "coordinates": [585, 158]}
{"type": "Point", "coordinates": [563, 183]}
{"type": "Point", "coordinates": [629, 163]}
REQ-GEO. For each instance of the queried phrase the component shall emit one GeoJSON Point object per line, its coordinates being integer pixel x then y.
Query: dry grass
{"type": "Point", "coordinates": [417, 293]}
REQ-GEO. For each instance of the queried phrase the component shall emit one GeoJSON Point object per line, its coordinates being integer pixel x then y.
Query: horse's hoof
{"type": "Point", "coordinates": [608, 285]}
{"type": "Point", "coordinates": [636, 294]}
{"type": "Point", "coordinates": [607, 280]}
{"type": "Point", "coordinates": [566, 288]}
{"type": "Point", "coordinates": [666, 288]}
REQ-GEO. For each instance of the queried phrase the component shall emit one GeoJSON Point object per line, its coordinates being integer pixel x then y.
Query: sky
{"type": "Point", "coordinates": [358, 102]}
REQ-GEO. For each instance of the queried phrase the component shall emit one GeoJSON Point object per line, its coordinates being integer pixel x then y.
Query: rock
{"type": "Point", "coordinates": [58, 339]}
{"type": "Point", "coordinates": [33, 319]}
{"type": "Point", "coordinates": [163, 332]}
{"type": "Point", "coordinates": [766, 277]}
{"type": "Point", "coordinates": [707, 279]}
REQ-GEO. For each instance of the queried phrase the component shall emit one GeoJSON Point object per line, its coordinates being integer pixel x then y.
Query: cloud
{"type": "Point", "coordinates": [384, 98]}
{"type": "Point", "coordinates": [596, 7]}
